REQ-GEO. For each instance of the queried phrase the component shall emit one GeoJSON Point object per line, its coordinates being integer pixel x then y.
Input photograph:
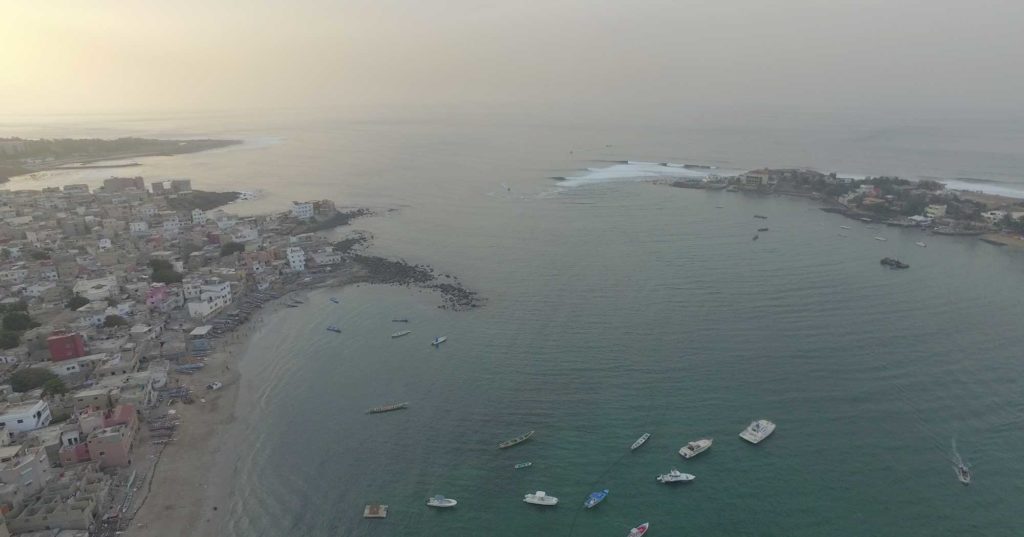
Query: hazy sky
{"type": "Point", "coordinates": [112, 56]}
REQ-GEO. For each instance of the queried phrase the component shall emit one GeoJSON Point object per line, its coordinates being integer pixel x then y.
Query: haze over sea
{"type": "Point", "coordinates": [615, 308]}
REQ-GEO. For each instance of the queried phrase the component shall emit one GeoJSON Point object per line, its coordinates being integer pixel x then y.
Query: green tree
{"type": "Point", "coordinates": [9, 340]}
{"type": "Point", "coordinates": [31, 378]}
{"type": "Point", "coordinates": [231, 247]}
{"type": "Point", "coordinates": [18, 321]}
{"type": "Point", "coordinates": [76, 302]}
{"type": "Point", "coordinates": [54, 386]}
{"type": "Point", "coordinates": [111, 321]}
{"type": "Point", "coordinates": [163, 272]}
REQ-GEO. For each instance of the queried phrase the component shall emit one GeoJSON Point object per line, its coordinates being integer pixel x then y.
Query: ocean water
{"type": "Point", "coordinates": [617, 307]}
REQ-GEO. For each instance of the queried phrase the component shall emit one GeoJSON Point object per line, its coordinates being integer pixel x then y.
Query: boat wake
{"type": "Point", "coordinates": [638, 171]}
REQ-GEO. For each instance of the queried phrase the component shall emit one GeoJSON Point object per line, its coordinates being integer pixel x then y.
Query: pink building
{"type": "Point", "coordinates": [106, 436]}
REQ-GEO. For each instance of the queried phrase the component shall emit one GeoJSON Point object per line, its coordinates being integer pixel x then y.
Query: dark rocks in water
{"type": "Point", "coordinates": [380, 270]}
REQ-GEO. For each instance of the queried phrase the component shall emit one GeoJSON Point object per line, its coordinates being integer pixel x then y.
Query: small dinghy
{"type": "Point", "coordinates": [441, 501]}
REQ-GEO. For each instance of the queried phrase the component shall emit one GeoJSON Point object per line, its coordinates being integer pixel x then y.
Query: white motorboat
{"type": "Point", "coordinates": [883, 239]}
{"type": "Point", "coordinates": [675, 476]}
{"type": "Point", "coordinates": [640, 530]}
{"type": "Point", "coordinates": [640, 441]}
{"type": "Point", "coordinates": [921, 244]}
{"type": "Point", "coordinates": [540, 498]}
{"type": "Point", "coordinates": [758, 431]}
{"type": "Point", "coordinates": [695, 448]}
{"type": "Point", "coordinates": [439, 340]}
{"type": "Point", "coordinates": [441, 501]}
{"type": "Point", "coordinates": [844, 227]}
{"type": "Point", "coordinates": [401, 333]}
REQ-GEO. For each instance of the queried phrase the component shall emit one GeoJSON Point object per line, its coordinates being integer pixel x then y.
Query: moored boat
{"type": "Point", "coordinates": [675, 476]}
{"type": "Point", "coordinates": [439, 340]}
{"type": "Point", "coordinates": [441, 501]}
{"type": "Point", "coordinates": [540, 498]}
{"type": "Point", "coordinates": [401, 333]}
{"type": "Point", "coordinates": [883, 239]}
{"type": "Point", "coordinates": [844, 227]}
{"type": "Point", "coordinates": [762, 217]}
{"type": "Point", "coordinates": [335, 300]}
{"type": "Point", "coordinates": [521, 465]}
{"type": "Point", "coordinates": [640, 441]}
{"type": "Point", "coordinates": [334, 329]}
{"type": "Point", "coordinates": [762, 229]}
{"type": "Point", "coordinates": [758, 431]}
{"type": "Point", "coordinates": [640, 530]}
{"type": "Point", "coordinates": [595, 498]}
{"type": "Point", "coordinates": [387, 408]}
{"type": "Point", "coordinates": [921, 244]}
{"type": "Point", "coordinates": [399, 320]}
{"type": "Point", "coordinates": [695, 448]}
{"type": "Point", "coordinates": [517, 440]}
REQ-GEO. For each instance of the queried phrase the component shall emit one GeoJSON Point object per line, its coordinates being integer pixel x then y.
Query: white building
{"type": "Point", "coordinates": [138, 228]}
{"type": "Point", "coordinates": [302, 210]}
{"type": "Point", "coordinates": [27, 416]}
{"type": "Point", "coordinates": [191, 287]}
{"type": "Point", "coordinates": [296, 258]}
{"type": "Point", "coordinates": [994, 217]}
{"type": "Point", "coordinates": [97, 289]}
{"type": "Point", "coordinates": [245, 233]}
{"type": "Point", "coordinates": [104, 244]}
{"type": "Point", "coordinates": [214, 294]}
{"type": "Point", "coordinates": [146, 211]}
{"type": "Point", "coordinates": [24, 472]}
{"type": "Point", "coordinates": [198, 216]}
{"type": "Point", "coordinates": [172, 224]}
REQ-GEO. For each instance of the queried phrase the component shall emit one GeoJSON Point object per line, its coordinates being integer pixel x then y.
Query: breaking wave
{"type": "Point", "coordinates": [631, 170]}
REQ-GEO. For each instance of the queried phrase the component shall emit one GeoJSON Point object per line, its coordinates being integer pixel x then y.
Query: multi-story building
{"type": "Point", "coordinates": [214, 294]}
{"type": "Point", "coordinates": [302, 210]}
{"type": "Point", "coordinates": [65, 345]}
{"type": "Point", "coordinates": [120, 184]}
{"type": "Point", "coordinates": [23, 417]}
{"type": "Point", "coordinates": [296, 258]}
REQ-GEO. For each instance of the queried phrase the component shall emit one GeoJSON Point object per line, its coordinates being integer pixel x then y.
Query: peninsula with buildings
{"type": "Point", "coordinates": [893, 201]}
{"type": "Point", "coordinates": [21, 156]}
{"type": "Point", "coordinates": [121, 309]}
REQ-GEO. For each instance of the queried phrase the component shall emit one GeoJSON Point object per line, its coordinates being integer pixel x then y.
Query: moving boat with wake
{"type": "Point", "coordinates": [640, 441]}
{"type": "Point", "coordinates": [963, 473]}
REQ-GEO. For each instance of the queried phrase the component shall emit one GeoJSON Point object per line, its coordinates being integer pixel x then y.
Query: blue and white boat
{"type": "Point", "coordinates": [595, 498]}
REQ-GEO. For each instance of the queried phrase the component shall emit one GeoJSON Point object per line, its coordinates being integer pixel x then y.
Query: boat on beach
{"type": "Point", "coordinates": [640, 530]}
{"type": "Point", "coordinates": [515, 441]}
{"type": "Point", "coordinates": [758, 431]}
{"type": "Point", "coordinates": [439, 340]}
{"type": "Point", "coordinates": [521, 465]}
{"type": "Point", "coordinates": [595, 498]}
{"type": "Point", "coordinates": [441, 501]}
{"type": "Point", "coordinates": [695, 448]}
{"type": "Point", "coordinates": [675, 476]}
{"type": "Point", "coordinates": [401, 333]}
{"type": "Point", "coordinates": [640, 441]}
{"type": "Point", "coordinates": [540, 498]}
{"type": "Point", "coordinates": [387, 408]}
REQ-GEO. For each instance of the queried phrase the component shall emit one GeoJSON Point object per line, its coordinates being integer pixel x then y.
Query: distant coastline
{"type": "Point", "coordinates": [22, 156]}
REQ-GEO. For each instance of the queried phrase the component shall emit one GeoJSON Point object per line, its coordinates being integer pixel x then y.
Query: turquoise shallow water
{"type": "Point", "coordinates": [617, 309]}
